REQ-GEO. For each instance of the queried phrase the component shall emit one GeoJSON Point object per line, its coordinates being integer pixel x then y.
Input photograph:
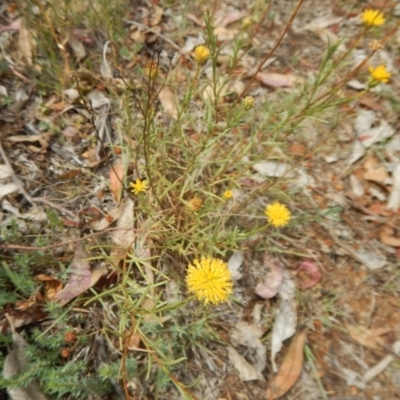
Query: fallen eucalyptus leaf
{"type": "Point", "coordinates": [290, 370]}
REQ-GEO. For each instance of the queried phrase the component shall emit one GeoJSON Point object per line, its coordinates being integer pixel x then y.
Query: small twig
{"type": "Point", "coordinates": [139, 25]}
{"type": "Point", "coordinates": [55, 206]}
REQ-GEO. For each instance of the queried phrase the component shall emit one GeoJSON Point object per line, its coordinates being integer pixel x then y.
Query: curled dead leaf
{"type": "Point", "coordinates": [312, 271]}
{"type": "Point", "coordinates": [273, 280]}
{"type": "Point", "coordinates": [290, 370]}
{"type": "Point", "coordinates": [386, 237]}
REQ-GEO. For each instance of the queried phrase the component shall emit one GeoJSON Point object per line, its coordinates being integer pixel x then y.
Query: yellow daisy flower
{"type": "Point", "coordinates": [201, 54]}
{"type": "Point", "coordinates": [228, 194]}
{"type": "Point", "coordinates": [277, 214]}
{"type": "Point", "coordinates": [372, 17]}
{"type": "Point", "coordinates": [210, 280]}
{"type": "Point", "coordinates": [379, 74]}
{"type": "Point", "coordinates": [139, 186]}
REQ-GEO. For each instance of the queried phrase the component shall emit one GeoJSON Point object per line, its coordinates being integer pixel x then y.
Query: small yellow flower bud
{"type": "Point", "coordinates": [201, 54]}
{"type": "Point", "coordinates": [246, 23]}
{"type": "Point", "coordinates": [248, 102]}
{"type": "Point", "coordinates": [375, 45]}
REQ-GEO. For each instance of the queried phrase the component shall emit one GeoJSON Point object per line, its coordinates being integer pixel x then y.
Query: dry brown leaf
{"type": "Point", "coordinates": [246, 371]}
{"type": "Point", "coordinates": [156, 15]}
{"type": "Point", "coordinates": [371, 338]}
{"type": "Point", "coordinates": [79, 279]}
{"type": "Point", "coordinates": [26, 45]}
{"type": "Point", "coordinates": [386, 237]}
{"type": "Point", "coordinates": [167, 99]}
{"type": "Point", "coordinates": [106, 221]}
{"type": "Point", "coordinates": [378, 175]}
{"type": "Point", "coordinates": [52, 286]}
{"type": "Point", "coordinates": [290, 370]}
{"type": "Point", "coordinates": [124, 237]}
{"type": "Point", "coordinates": [116, 177]}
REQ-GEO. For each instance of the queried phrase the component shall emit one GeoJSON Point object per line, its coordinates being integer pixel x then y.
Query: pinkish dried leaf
{"type": "Point", "coordinates": [313, 271]}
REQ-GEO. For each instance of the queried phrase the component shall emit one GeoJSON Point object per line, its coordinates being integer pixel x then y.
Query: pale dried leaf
{"type": "Point", "coordinates": [124, 237]}
{"type": "Point", "coordinates": [8, 188]}
{"type": "Point", "coordinates": [14, 365]}
{"type": "Point", "coordinates": [79, 279]}
{"type": "Point", "coordinates": [116, 177]}
{"type": "Point", "coordinates": [168, 101]}
{"type": "Point", "coordinates": [105, 69]}
{"type": "Point", "coordinates": [371, 338]}
{"type": "Point", "coordinates": [70, 132]}
{"type": "Point", "coordinates": [290, 370]}
{"type": "Point", "coordinates": [246, 371]}
{"type": "Point", "coordinates": [286, 319]}
{"type": "Point", "coordinates": [273, 280]}
{"type": "Point", "coordinates": [197, 21]}
{"type": "Point", "coordinates": [4, 171]}
{"type": "Point", "coordinates": [106, 221]}
{"type": "Point", "coordinates": [394, 198]}
{"type": "Point", "coordinates": [26, 44]}
{"type": "Point", "coordinates": [249, 335]}
{"type": "Point", "coordinates": [77, 47]}
{"type": "Point", "coordinates": [357, 152]}
{"type": "Point", "coordinates": [225, 34]}
{"type": "Point", "coordinates": [371, 260]}
{"type": "Point", "coordinates": [233, 16]}
{"type": "Point", "coordinates": [271, 168]}
{"type": "Point", "coordinates": [234, 263]}
{"type": "Point", "coordinates": [376, 134]}
{"type": "Point", "coordinates": [322, 22]}
{"type": "Point", "coordinates": [274, 79]}
{"type": "Point", "coordinates": [156, 15]}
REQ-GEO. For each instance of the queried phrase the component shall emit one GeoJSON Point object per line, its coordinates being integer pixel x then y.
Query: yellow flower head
{"type": "Point", "coordinates": [248, 102]}
{"type": "Point", "coordinates": [246, 23]}
{"type": "Point", "coordinates": [372, 17]}
{"type": "Point", "coordinates": [139, 186]}
{"type": "Point", "coordinates": [379, 74]}
{"type": "Point", "coordinates": [210, 280]}
{"type": "Point", "coordinates": [228, 194]}
{"type": "Point", "coordinates": [195, 204]}
{"type": "Point", "coordinates": [201, 54]}
{"type": "Point", "coordinates": [277, 214]}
